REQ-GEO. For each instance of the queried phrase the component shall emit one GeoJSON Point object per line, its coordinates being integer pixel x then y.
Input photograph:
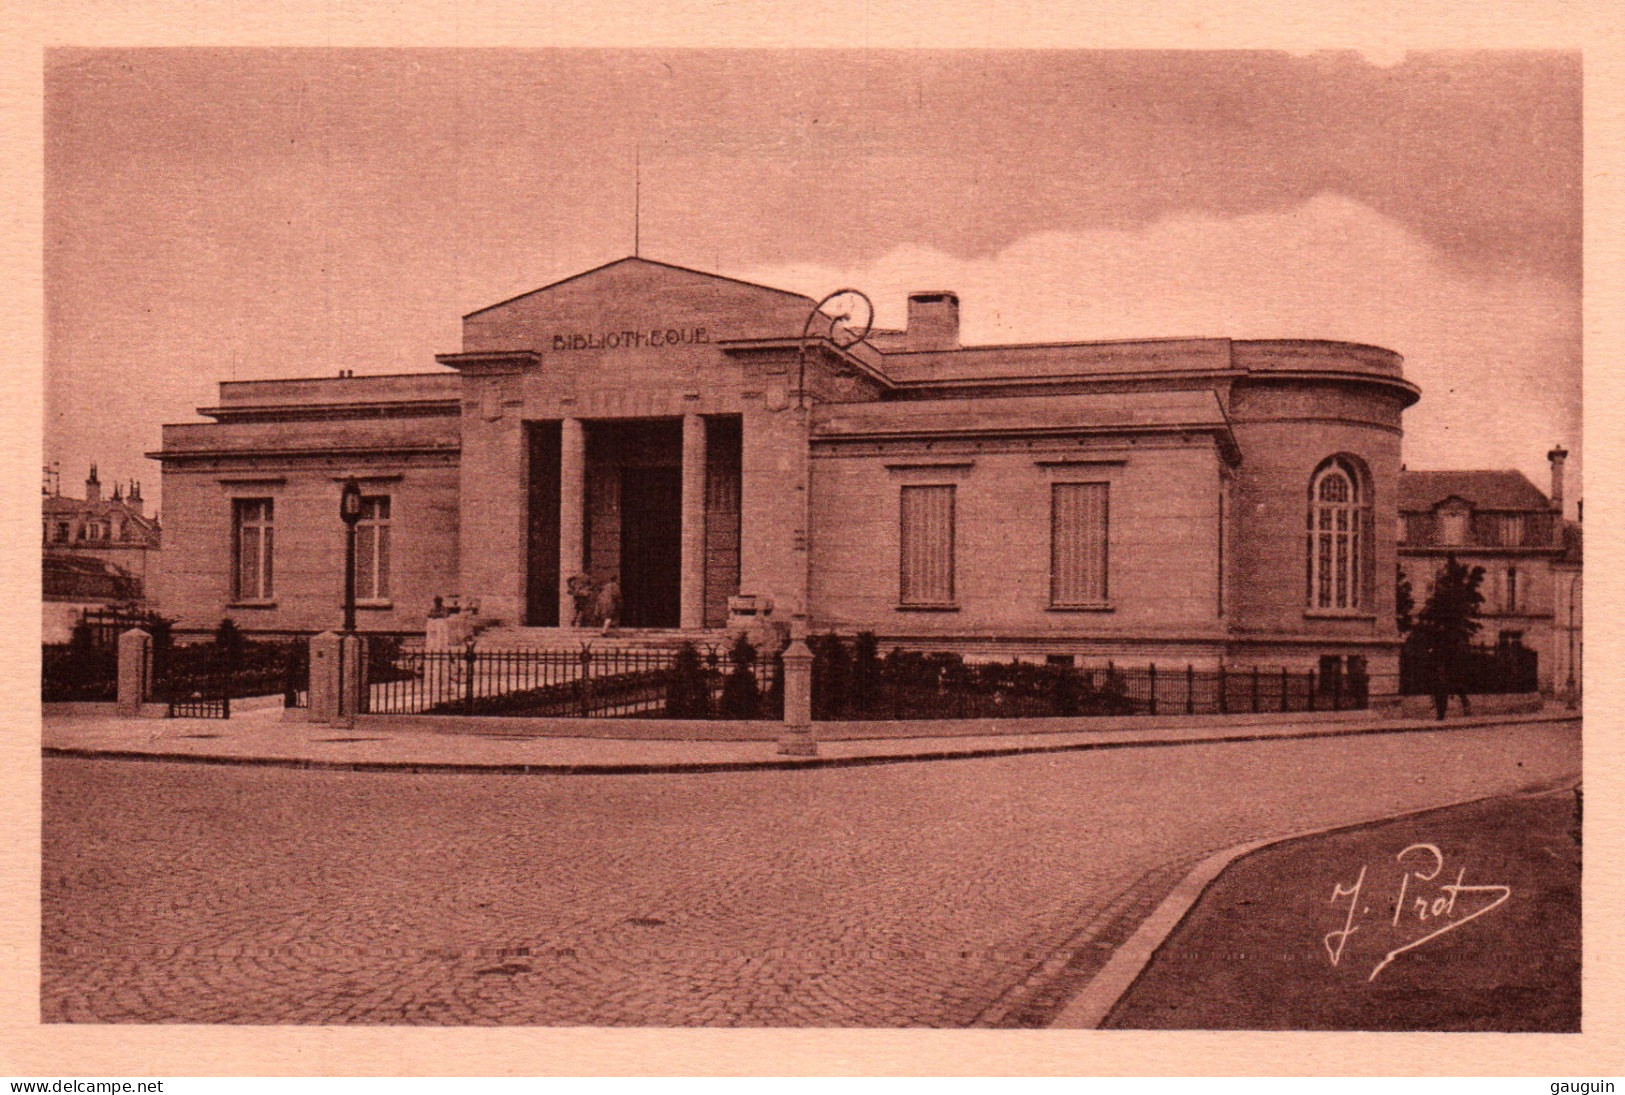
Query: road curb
{"type": "Point", "coordinates": [1330, 730]}
{"type": "Point", "coordinates": [1095, 1001]}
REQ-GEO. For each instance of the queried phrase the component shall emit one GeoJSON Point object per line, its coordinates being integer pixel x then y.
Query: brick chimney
{"type": "Point", "coordinates": [933, 321]}
{"type": "Point", "coordinates": [93, 487]}
{"type": "Point", "coordinates": [1557, 456]}
{"type": "Point", "coordinates": [133, 499]}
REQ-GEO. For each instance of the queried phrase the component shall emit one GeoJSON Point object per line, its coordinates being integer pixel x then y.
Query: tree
{"type": "Point", "coordinates": [1404, 600]}
{"type": "Point", "coordinates": [741, 699]}
{"type": "Point", "coordinates": [1448, 622]}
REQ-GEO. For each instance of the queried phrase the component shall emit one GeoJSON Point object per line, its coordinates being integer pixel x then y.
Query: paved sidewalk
{"type": "Point", "coordinates": [262, 736]}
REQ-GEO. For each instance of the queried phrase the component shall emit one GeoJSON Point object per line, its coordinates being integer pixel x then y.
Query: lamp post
{"type": "Point", "coordinates": [347, 680]}
{"type": "Point", "coordinates": [849, 316]}
{"type": "Point", "coordinates": [350, 513]}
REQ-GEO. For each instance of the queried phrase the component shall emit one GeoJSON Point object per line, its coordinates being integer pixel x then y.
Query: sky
{"type": "Point", "coordinates": [239, 214]}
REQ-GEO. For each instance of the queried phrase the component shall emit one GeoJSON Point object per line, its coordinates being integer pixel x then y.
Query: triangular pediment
{"type": "Point", "coordinates": [634, 302]}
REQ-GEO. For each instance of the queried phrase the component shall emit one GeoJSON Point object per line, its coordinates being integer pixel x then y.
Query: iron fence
{"type": "Point", "coordinates": [106, 625]}
{"type": "Point", "coordinates": [852, 682]}
{"type": "Point", "coordinates": [85, 669]}
{"type": "Point", "coordinates": [613, 682]}
{"type": "Point", "coordinates": [245, 667]}
{"type": "Point", "coordinates": [200, 679]}
{"type": "Point", "coordinates": [78, 672]}
{"type": "Point", "coordinates": [1478, 670]}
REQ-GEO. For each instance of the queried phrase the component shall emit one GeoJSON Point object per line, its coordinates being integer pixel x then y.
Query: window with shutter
{"type": "Point", "coordinates": [926, 556]}
{"type": "Point", "coordinates": [1078, 525]}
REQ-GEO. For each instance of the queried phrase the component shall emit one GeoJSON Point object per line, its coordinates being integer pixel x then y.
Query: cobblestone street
{"type": "Point", "coordinates": [904, 894]}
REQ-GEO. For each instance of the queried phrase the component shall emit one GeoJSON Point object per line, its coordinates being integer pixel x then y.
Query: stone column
{"type": "Point", "coordinates": [572, 510]}
{"type": "Point", "coordinates": [691, 602]}
{"type": "Point", "coordinates": [134, 670]}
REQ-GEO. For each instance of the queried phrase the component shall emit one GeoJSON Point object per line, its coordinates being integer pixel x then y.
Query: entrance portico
{"type": "Point", "coordinates": [591, 447]}
{"type": "Point", "coordinates": [651, 503]}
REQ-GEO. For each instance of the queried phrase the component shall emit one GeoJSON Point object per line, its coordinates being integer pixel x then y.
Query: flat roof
{"type": "Point", "coordinates": [1048, 413]}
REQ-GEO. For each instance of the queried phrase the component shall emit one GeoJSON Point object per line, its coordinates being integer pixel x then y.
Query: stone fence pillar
{"type": "Point", "coordinates": [338, 673]}
{"type": "Point", "coordinates": [324, 677]}
{"type": "Point", "coordinates": [798, 660]}
{"type": "Point", "coordinates": [134, 670]}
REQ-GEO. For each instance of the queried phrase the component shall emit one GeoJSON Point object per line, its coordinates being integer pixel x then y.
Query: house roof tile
{"type": "Point", "coordinates": [1420, 491]}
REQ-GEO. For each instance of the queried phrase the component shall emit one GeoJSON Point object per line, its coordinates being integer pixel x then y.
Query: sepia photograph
{"type": "Point", "coordinates": [799, 538]}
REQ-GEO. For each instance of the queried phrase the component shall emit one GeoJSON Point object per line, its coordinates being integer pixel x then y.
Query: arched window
{"type": "Point", "coordinates": [1339, 538]}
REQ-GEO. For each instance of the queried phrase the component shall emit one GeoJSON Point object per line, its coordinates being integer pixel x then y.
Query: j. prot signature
{"type": "Point", "coordinates": [1423, 903]}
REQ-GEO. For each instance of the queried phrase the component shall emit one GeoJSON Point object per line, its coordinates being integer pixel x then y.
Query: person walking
{"type": "Point", "coordinates": [609, 604]}
{"type": "Point", "coordinates": [1460, 674]}
{"type": "Point", "coordinates": [1441, 674]}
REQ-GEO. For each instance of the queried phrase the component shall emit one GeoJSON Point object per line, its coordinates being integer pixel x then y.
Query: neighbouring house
{"type": "Point", "coordinates": [1531, 556]}
{"type": "Point", "coordinates": [97, 552]}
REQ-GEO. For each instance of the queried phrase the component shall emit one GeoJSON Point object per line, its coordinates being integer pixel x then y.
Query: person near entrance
{"type": "Point", "coordinates": [579, 586]}
{"type": "Point", "coordinates": [609, 604]}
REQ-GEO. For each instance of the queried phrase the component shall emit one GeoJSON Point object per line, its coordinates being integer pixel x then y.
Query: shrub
{"type": "Point", "coordinates": [1064, 691]}
{"type": "Point", "coordinates": [688, 693]}
{"type": "Point", "coordinates": [228, 638]}
{"type": "Point", "coordinates": [831, 676]}
{"type": "Point", "coordinates": [864, 688]}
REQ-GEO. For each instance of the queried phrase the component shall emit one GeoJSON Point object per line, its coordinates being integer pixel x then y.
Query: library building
{"type": "Point", "coordinates": [660, 452]}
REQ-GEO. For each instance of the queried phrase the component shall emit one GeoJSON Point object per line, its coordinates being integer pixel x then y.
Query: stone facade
{"type": "Point", "coordinates": [671, 430]}
{"type": "Point", "coordinates": [293, 443]}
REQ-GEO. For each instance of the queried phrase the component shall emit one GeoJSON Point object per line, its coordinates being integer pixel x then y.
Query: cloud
{"type": "Point", "coordinates": [1385, 53]}
{"type": "Point", "coordinates": [1497, 358]}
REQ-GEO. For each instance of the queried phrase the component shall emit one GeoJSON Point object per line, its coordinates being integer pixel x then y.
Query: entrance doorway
{"type": "Point", "coordinates": [651, 530]}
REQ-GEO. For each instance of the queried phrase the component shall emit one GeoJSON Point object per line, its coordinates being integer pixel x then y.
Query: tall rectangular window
{"type": "Point", "coordinates": [926, 559]}
{"type": "Point", "coordinates": [372, 550]}
{"type": "Point", "coordinates": [253, 547]}
{"type": "Point", "coordinates": [1077, 567]}
{"type": "Point", "coordinates": [1512, 589]}
{"type": "Point", "coordinates": [1510, 529]}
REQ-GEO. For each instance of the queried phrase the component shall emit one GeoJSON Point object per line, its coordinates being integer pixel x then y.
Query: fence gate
{"type": "Point", "coordinates": [197, 685]}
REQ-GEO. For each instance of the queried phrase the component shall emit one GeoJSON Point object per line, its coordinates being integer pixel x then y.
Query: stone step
{"type": "Point", "coordinates": [621, 638]}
